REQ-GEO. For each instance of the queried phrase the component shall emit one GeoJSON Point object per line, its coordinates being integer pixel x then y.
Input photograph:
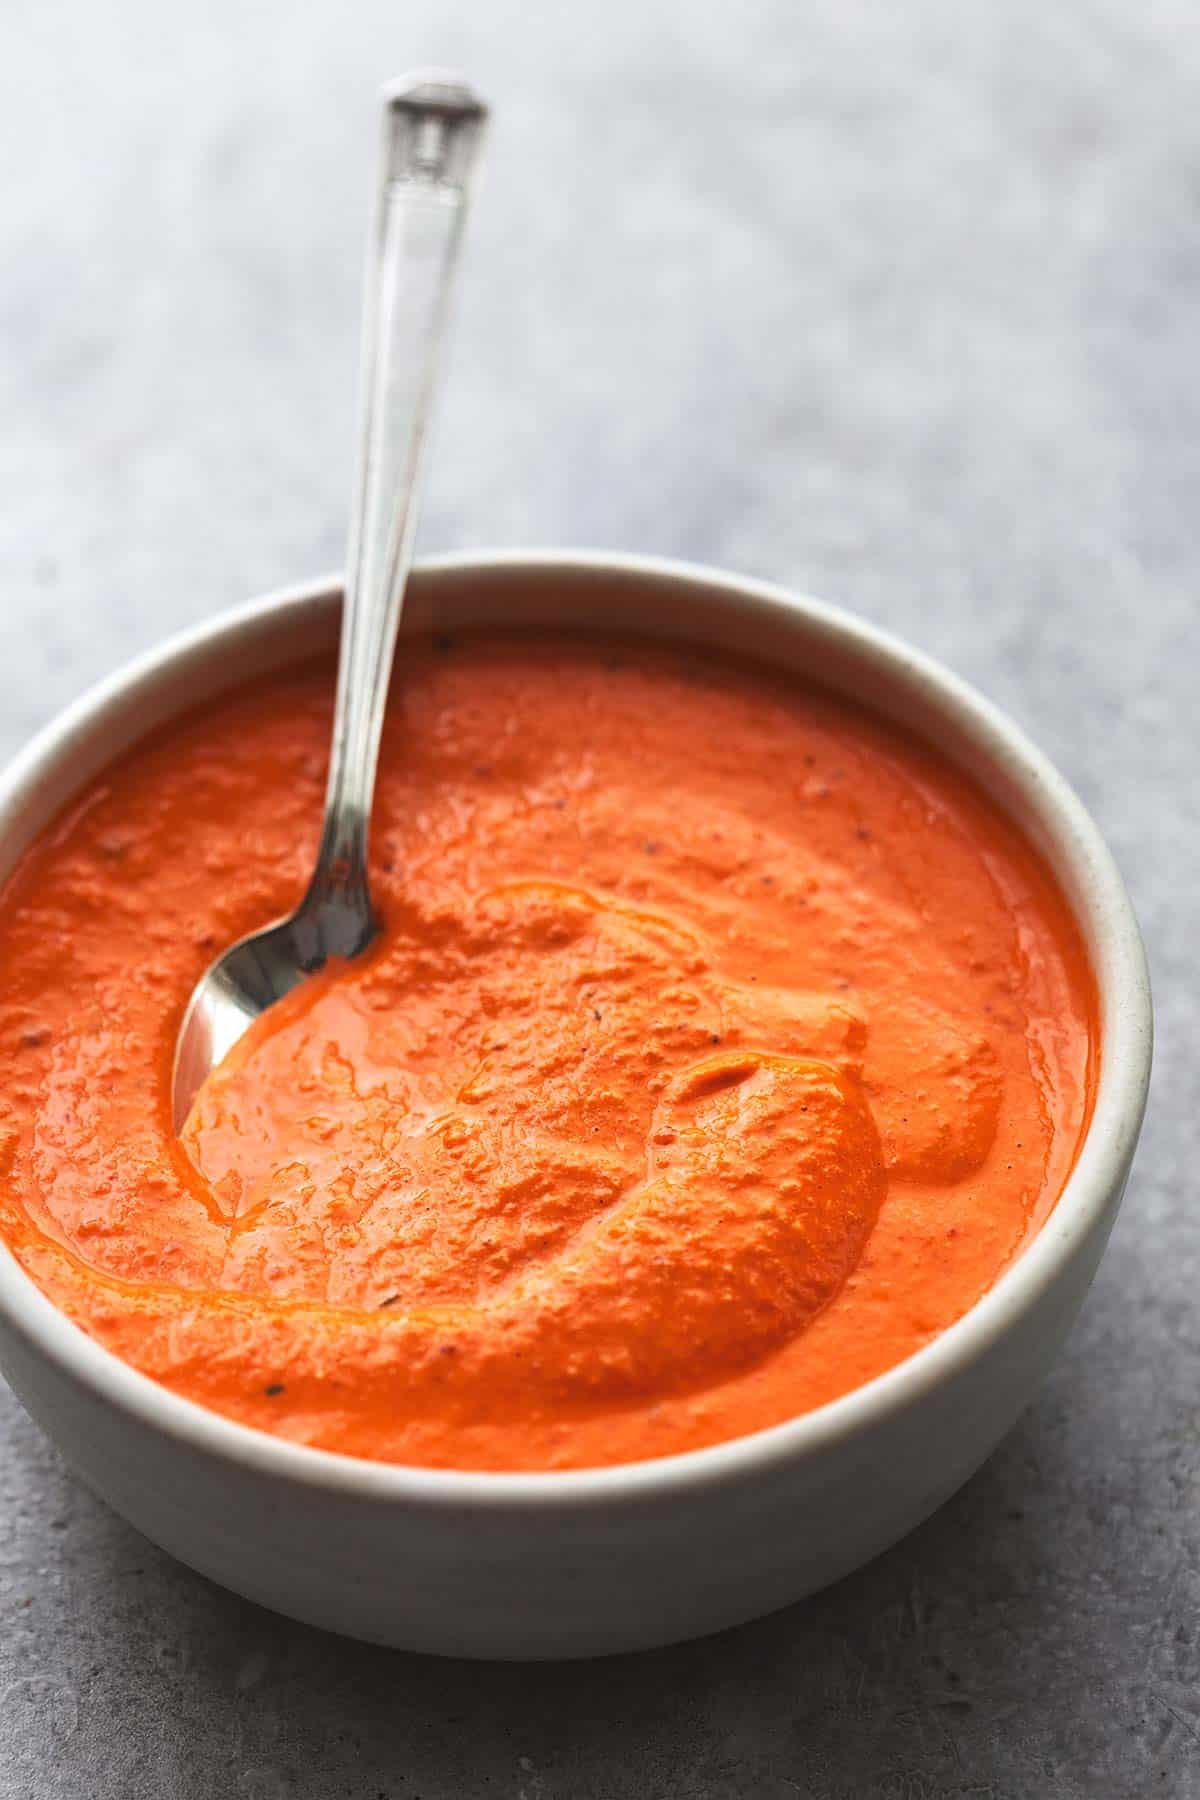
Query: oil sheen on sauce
{"type": "Point", "coordinates": [722, 1046]}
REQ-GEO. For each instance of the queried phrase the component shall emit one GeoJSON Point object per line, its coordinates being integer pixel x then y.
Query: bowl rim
{"type": "Point", "coordinates": [1100, 1169]}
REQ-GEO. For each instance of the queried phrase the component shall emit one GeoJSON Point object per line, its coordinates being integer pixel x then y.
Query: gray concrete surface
{"type": "Point", "coordinates": [900, 304]}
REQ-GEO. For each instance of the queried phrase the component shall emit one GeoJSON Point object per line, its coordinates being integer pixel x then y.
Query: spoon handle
{"type": "Point", "coordinates": [432, 127]}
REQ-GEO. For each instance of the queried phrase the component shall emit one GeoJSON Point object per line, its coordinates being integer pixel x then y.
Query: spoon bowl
{"type": "Point", "coordinates": [252, 975]}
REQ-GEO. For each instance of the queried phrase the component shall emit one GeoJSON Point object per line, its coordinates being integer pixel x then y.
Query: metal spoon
{"type": "Point", "coordinates": [432, 127]}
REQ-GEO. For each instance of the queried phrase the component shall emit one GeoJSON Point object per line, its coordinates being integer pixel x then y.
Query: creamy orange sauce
{"type": "Point", "coordinates": [721, 1048]}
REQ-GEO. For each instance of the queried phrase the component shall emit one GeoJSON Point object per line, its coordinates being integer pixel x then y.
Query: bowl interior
{"type": "Point", "coordinates": [637, 596]}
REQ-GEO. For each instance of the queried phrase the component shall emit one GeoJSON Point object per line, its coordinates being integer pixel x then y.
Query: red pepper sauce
{"type": "Point", "coordinates": [721, 1048]}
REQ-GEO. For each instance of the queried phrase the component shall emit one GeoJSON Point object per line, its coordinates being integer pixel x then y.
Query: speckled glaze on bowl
{"type": "Point", "coordinates": [586, 1562]}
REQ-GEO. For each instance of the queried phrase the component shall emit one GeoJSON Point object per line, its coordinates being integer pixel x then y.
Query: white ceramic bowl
{"type": "Point", "coordinates": [572, 1564]}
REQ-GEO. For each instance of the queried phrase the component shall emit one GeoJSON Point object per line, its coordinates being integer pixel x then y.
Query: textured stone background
{"type": "Point", "coordinates": [900, 304]}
